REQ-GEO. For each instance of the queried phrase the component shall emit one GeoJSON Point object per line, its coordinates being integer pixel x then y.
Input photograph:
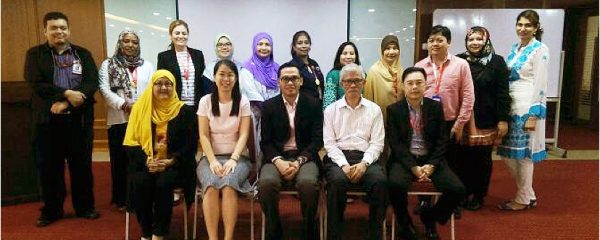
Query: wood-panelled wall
{"type": "Point", "coordinates": [22, 29]}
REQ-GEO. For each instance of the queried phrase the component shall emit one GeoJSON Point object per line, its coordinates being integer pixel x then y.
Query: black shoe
{"type": "Point", "coordinates": [46, 220]}
{"type": "Point", "coordinates": [407, 232]}
{"type": "Point", "coordinates": [91, 214]}
{"type": "Point", "coordinates": [420, 206]}
{"type": "Point", "coordinates": [457, 213]}
{"type": "Point", "coordinates": [475, 204]}
{"type": "Point", "coordinates": [431, 234]}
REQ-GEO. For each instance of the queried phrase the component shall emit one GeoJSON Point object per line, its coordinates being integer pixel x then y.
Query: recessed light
{"type": "Point", "coordinates": [111, 25]}
{"type": "Point", "coordinates": [414, 9]}
{"type": "Point", "coordinates": [156, 14]}
{"type": "Point", "coordinates": [141, 31]}
{"type": "Point", "coordinates": [151, 33]}
{"type": "Point", "coordinates": [412, 26]}
{"type": "Point", "coordinates": [391, 33]}
{"type": "Point", "coordinates": [371, 10]}
{"type": "Point", "coordinates": [127, 28]}
{"type": "Point", "coordinates": [169, 18]}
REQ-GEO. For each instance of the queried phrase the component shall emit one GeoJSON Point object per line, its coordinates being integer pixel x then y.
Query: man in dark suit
{"type": "Point", "coordinates": [417, 136]}
{"type": "Point", "coordinates": [292, 130]}
{"type": "Point", "coordinates": [64, 78]}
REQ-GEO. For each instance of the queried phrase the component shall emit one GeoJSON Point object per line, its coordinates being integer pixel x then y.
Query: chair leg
{"type": "Point", "coordinates": [185, 220]}
{"type": "Point", "coordinates": [263, 227]}
{"type": "Point", "coordinates": [195, 215]}
{"type": "Point", "coordinates": [393, 225]}
{"type": "Point", "coordinates": [384, 229]}
{"type": "Point", "coordinates": [252, 216]}
{"type": "Point", "coordinates": [126, 225]}
{"type": "Point", "coordinates": [452, 226]}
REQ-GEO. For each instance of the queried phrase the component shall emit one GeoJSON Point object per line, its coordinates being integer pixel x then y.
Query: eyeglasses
{"type": "Point", "coordinates": [287, 79]}
{"type": "Point", "coordinates": [227, 44]}
{"type": "Point", "coordinates": [355, 81]}
{"type": "Point", "coordinates": [163, 84]}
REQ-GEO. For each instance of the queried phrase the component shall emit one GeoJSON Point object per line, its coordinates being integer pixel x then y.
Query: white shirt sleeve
{"type": "Point", "coordinates": [113, 100]}
{"type": "Point", "coordinates": [329, 140]}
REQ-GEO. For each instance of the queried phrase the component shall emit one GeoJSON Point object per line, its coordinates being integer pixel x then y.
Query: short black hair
{"type": "Point", "coordinates": [410, 70]}
{"type": "Point", "coordinates": [445, 31]}
{"type": "Point", "coordinates": [54, 16]}
{"type": "Point", "coordinates": [287, 65]}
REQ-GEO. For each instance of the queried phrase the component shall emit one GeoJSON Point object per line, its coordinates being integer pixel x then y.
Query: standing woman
{"type": "Point", "coordinates": [347, 53]}
{"type": "Point", "coordinates": [224, 120]}
{"type": "Point", "coordinates": [187, 65]}
{"type": "Point", "coordinates": [524, 144]}
{"type": "Point", "coordinates": [489, 121]}
{"type": "Point", "coordinates": [263, 67]}
{"type": "Point", "coordinates": [123, 77]}
{"type": "Point", "coordinates": [156, 139]}
{"type": "Point", "coordinates": [309, 68]}
{"type": "Point", "coordinates": [382, 80]}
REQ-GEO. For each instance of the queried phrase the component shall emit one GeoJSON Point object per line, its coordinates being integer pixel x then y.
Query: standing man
{"type": "Point", "coordinates": [417, 136]}
{"type": "Point", "coordinates": [64, 78]}
{"type": "Point", "coordinates": [448, 81]}
{"type": "Point", "coordinates": [353, 136]}
{"type": "Point", "coordinates": [291, 136]}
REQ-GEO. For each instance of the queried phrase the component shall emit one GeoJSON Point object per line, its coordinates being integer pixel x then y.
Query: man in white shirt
{"type": "Point", "coordinates": [353, 135]}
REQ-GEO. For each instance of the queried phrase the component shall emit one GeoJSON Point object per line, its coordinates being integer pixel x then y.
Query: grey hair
{"type": "Point", "coordinates": [352, 67]}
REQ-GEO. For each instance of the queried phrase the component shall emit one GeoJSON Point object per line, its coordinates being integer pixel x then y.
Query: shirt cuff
{"type": "Point", "coordinates": [275, 159]}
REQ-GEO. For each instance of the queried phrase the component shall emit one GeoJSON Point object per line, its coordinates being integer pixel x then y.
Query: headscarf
{"type": "Point", "coordinates": [485, 55]}
{"type": "Point", "coordinates": [118, 64]}
{"type": "Point", "coordinates": [383, 86]}
{"type": "Point", "coordinates": [148, 110]}
{"type": "Point", "coordinates": [386, 72]}
{"type": "Point", "coordinates": [263, 69]}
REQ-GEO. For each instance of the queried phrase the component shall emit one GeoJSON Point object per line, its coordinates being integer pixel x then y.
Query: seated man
{"type": "Point", "coordinates": [353, 136]}
{"type": "Point", "coordinates": [292, 125]}
{"type": "Point", "coordinates": [416, 133]}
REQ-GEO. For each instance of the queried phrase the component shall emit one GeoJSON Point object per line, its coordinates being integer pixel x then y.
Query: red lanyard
{"type": "Point", "coordinates": [415, 119]}
{"type": "Point", "coordinates": [438, 77]}
{"type": "Point", "coordinates": [186, 69]}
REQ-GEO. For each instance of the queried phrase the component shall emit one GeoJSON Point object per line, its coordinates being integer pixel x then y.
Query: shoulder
{"type": "Point", "coordinates": [35, 49]}
{"type": "Point", "coordinates": [164, 53]}
{"type": "Point", "coordinates": [462, 55]}
{"type": "Point", "coordinates": [310, 101]}
{"type": "Point", "coordinates": [396, 106]}
{"type": "Point", "coordinates": [205, 99]}
{"type": "Point", "coordinates": [422, 63]}
{"type": "Point", "coordinates": [333, 73]}
{"type": "Point", "coordinates": [459, 61]}
{"type": "Point", "coordinates": [244, 101]}
{"type": "Point", "coordinates": [432, 104]}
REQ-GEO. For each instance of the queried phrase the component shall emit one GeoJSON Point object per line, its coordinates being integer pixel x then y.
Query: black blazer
{"type": "Point", "coordinates": [310, 86]}
{"type": "Point", "coordinates": [398, 132]}
{"type": "Point", "coordinates": [180, 146]}
{"type": "Point", "coordinates": [39, 73]}
{"type": "Point", "coordinates": [168, 60]}
{"type": "Point", "coordinates": [275, 125]}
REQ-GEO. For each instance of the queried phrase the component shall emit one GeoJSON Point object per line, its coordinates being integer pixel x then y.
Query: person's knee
{"type": "Point", "coordinates": [307, 185]}
{"type": "Point", "coordinates": [396, 184]}
{"type": "Point", "coordinates": [268, 185]}
{"type": "Point", "coordinates": [338, 182]}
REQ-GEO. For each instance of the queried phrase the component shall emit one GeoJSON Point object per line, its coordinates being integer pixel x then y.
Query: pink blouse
{"type": "Point", "coordinates": [224, 129]}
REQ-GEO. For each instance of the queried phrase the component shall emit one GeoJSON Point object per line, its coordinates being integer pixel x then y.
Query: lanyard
{"type": "Point", "coordinates": [415, 119]}
{"type": "Point", "coordinates": [438, 72]}
{"type": "Point", "coordinates": [186, 69]}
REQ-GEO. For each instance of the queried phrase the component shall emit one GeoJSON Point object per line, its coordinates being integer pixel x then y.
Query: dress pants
{"type": "Point", "coordinates": [307, 185]}
{"type": "Point", "coordinates": [444, 180]}
{"type": "Point", "coordinates": [522, 171]}
{"type": "Point", "coordinates": [118, 163]}
{"type": "Point", "coordinates": [65, 137]}
{"type": "Point", "coordinates": [474, 169]}
{"type": "Point", "coordinates": [373, 182]}
{"type": "Point", "coordinates": [154, 200]}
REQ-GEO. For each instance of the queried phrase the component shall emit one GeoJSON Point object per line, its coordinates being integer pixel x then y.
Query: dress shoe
{"type": "Point", "coordinates": [407, 232]}
{"type": "Point", "coordinates": [46, 220]}
{"type": "Point", "coordinates": [475, 204]}
{"type": "Point", "coordinates": [457, 213]}
{"type": "Point", "coordinates": [429, 221]}
{"type": "Point", "coordinates": [421, 205]}
{"type": "Point", "coordinates": [91, 214]}
{"type": "Point", "coordinates": [431, 234]}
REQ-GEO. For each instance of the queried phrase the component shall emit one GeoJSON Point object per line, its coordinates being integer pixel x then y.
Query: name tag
{"type": "Point", "coordinates": [77, 69]}
{"type": "Point", "coordinates": [436, 98]}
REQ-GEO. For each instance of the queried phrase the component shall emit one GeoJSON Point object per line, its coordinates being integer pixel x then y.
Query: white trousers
{"type": "Point", "coordinates": [522, 171]}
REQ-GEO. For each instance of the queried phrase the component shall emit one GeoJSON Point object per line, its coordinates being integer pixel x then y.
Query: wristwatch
{"type": "Point", "coordinates": [367, 163]}
{"type": "Point", "coordinates": [301, 159]}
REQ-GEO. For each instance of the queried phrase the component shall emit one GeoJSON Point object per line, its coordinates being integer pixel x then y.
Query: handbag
{"type": "Point", "coordinates": [473, 136]}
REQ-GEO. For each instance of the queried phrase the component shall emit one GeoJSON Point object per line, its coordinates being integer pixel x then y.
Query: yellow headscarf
{"type": "Point", "coordinates": [148, 110]}
{"type": "Point", "coordinates": [383, 80]}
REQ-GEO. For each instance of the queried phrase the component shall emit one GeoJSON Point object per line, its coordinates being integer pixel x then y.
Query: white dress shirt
{"type": "Point", "coordinates": [359, 129]}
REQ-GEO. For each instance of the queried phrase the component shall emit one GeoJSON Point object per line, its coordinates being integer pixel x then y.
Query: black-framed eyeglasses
{"type": "Point", "coordinates": [287, 79]}
{"type": "Point", "coordinates": [355, 81]}
{"type": "Point", "coordinates": [227, 44]}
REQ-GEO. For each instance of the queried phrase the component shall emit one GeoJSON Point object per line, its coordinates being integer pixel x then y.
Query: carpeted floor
{"type": "Point", "coordinates": [567, 193]}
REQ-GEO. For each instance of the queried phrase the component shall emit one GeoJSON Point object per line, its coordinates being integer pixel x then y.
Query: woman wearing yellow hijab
{"type": "Point", "coordinates": [382, 80]}
{"type": "Point", "coordinates": [157, 140]}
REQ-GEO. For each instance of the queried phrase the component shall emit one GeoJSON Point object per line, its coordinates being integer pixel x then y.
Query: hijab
{"type": "Point", "coordinates": [148, 110]}
{"type": "Point", "coordinates": [119, 63]}
{"type": "Point", "coordinates": [485, 55]}
{"type": "Point", "coordinates": [263, 69]}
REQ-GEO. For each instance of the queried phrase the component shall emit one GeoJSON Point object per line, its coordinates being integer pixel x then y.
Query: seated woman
{"type": "Point", "coordinates": [157, 135]}
{"type": "Point", "coordinates": [224, 124]}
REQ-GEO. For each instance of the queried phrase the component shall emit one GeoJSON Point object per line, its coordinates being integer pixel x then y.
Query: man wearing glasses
{"type": "Point", "coordinates": [353, 136]}
{"type": "Point", "coordinates": [64, 78]}
{"type": "Point", "coordinates": [291, 136]}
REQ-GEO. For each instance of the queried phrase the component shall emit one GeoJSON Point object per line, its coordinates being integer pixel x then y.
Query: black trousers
{"type": "Point", "coordinates": [118, 163]}
{"type": "Point", "coordinates": [307, 185]}
{"type": "Point", "coordinates": [154, 200]}
{"type": "Point", "coordinates": [373, 182]}
{"type": "Point", "coordinates": [444, 180]}
{"type": "Point", "coordinates": [65, 137]}
{"type": "Point", "coordinates": [474, 168]}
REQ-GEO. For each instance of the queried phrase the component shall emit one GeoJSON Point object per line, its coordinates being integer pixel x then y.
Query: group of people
{"type": "Point", "coordinates": [383, 130]}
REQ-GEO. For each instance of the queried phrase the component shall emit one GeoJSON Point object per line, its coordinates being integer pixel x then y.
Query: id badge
{"type": "Point", "coordinates": [77, 69]}
{"type": "Point", "coordinates": [436, 98]}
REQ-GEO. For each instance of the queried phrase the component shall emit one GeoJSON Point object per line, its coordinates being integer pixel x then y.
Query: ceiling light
{"type": "Point", "coordinates": [414, 9]}
{"type": "Point", "coordinates": [169, 18]}
{"type": "Point", "coordinates": [111, 25]}
{"type": "Point", "coordinates": [156, 14]}
{"type": "Point", "coordinates": [412, 26]}
{"type": "Point", "coordinates": [371, 10]}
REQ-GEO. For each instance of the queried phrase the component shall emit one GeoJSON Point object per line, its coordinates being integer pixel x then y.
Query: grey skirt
{"type": "Point", "coordinates": [238, 180]}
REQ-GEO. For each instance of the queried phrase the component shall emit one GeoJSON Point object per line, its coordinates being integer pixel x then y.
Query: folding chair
{"type": "Point", "coordinates": [424, 189]}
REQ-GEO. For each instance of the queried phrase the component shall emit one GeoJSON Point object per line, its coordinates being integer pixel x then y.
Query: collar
{"type": "Point", "coordinates": [345, 104]}
{"type": "Point", "coordinates": [410, 108]}
{"type": "Point", "coordinates": [430, 62]}
{"type": "Point", "coordinates": [295, 101]}
{"type": "Point", "coordinates": [68, 49]}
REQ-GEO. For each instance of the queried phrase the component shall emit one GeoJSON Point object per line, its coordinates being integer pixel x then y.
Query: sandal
{"type": "Point", "coordinates": [507, 206]}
